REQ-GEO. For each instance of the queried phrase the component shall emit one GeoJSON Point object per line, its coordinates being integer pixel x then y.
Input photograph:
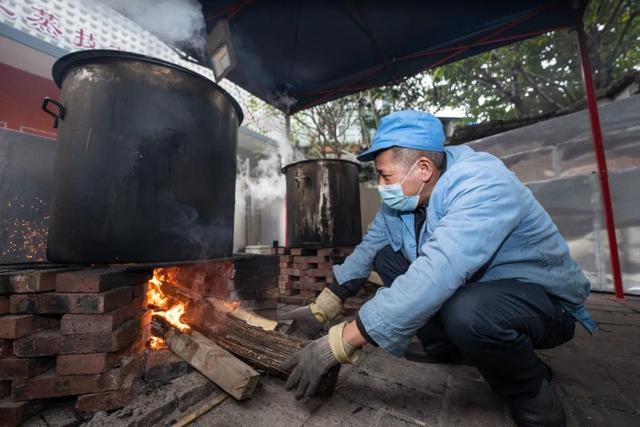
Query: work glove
{"type": "Point", "coordinates": [309, 320]}
{"type": "Point", "coordinates": [313, 361]}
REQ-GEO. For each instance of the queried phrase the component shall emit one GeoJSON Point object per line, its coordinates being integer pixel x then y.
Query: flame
{"type": "Point", "coordinates": [157, 343]}
{"type": "Point", "coordinates": [161, 304]}
{"type": "Point", "coordinates": [173, 317]}
{"type": "Point", "coordinates": [155, 297]}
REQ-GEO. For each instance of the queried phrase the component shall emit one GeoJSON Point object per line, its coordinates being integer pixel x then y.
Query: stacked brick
{"type": "Point", "coordinates": [250, 280]}
{"type": "Point", "coordinates": [305, 272]}
{"type": "Point", "coordinates": [70, 333]}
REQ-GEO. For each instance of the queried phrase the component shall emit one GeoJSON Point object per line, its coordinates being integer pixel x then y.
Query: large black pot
{"type": "Point", "coordinates": [145, 162]}
{"type": "Point", "coordinates": [323, 203]}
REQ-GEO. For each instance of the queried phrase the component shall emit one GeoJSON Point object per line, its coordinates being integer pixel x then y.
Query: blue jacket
{"type": "Point", "coordinates": [482, 224]}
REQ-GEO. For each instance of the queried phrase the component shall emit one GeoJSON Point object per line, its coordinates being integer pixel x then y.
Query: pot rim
{"type": "Point", "coordinates": [285, 167]}
{"type": "Point", "coordinates": [64, 64]}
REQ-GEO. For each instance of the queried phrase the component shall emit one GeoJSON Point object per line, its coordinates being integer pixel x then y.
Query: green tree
{"type": "Point", "coordinates": [542, 74]}
{"type": "Point", "coordinates": [323, 129]}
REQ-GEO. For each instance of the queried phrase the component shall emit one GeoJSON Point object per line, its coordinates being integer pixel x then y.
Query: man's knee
{"type": "Point", "coordinates": [467, 323]}
{"type": "Point", "coordinates": [381, 261]}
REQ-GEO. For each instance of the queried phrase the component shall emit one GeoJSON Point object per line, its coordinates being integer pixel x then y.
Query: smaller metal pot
{"type": "Point", "coordinates": [323, 203]}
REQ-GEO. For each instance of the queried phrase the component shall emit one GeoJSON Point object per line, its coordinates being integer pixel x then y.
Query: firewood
{"type": "Point", "coordinates": [228, 372]}
{"type": "Point", "coordinates": [242, 313]}
{"type": "Point", "coordinates": [264, 350]}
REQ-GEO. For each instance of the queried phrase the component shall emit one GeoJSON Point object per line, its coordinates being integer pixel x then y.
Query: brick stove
{"type": "Point", "coordinates": [304, 273]}
{"type": "Point", "coordinates": [85, 334]}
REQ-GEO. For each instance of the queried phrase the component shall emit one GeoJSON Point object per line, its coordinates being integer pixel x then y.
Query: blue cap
{"type": "Point", "coordinates": [408, 129]}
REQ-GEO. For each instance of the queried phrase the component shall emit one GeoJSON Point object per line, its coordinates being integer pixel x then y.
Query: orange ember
{"type": "Point", "coordinates": [157, 343]}
{"type": "Point", "coordinates": [162, 305]}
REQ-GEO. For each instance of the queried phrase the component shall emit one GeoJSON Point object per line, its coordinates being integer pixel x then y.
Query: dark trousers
{"type": "Point", "coordinates": [495, 325]}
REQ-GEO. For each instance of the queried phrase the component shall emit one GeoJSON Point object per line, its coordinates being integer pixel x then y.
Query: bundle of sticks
{"type": "Point", "coordinates": [230, 351]}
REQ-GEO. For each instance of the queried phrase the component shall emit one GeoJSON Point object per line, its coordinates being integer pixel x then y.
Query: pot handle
{"type": "Point", "coordinates": [59, 115]}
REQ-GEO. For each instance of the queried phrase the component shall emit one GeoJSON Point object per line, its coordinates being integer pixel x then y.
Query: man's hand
{"type": "Point", "coordinates": [309, 366]}
{"type": "Point", "coordinates": [316, 359]}
{"type": "Point", "coordinates": [305, 324]}
{"type": "Point", "coordinates": [308, 321]}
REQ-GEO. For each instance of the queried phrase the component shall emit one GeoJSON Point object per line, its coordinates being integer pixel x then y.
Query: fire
{"type": "Point", "coordinates": [157, 343]}
{"type": "Point", "coordinates": [173, 316]}
{"type": "Point", "coordinates": [163, 306]}
{"type": "Point", "coordinates": [155, 297]}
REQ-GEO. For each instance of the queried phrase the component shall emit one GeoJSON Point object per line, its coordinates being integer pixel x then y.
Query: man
{"type": "Point", "coordinates": [472, 265]}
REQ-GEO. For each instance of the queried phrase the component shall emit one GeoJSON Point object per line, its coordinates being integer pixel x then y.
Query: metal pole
{"type": "Point", "coordinates": [598, 147]}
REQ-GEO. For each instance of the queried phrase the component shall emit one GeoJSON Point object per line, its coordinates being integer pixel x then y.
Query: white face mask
{"type": "Point", "coordinates": [393, 196]}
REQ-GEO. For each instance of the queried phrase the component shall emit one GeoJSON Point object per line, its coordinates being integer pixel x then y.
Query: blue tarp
{"type": "Point", "coordinates": [295, 54]}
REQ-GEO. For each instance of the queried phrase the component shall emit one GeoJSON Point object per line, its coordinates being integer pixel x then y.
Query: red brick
{"type": "Point", "coordinates": [44, 343]}
{"type": "Point", "coordinates": [325, 252]}
{"type": "Point", "coordinates": [312, 279]}
{"type": "Point", "coordinates": [57, 303]}
{"type": "Point", "coordinates": [319, 273]}
{"type": "Point", "coordinates": [306, 286]}
{"type": "Point", "coordinates": [5, 388]}
{"type": "Point", "coordinates": [12, 368]}
{"type": "Point", "coordinates": [6, 348]}
{"type": "Point", "coordinates": [4, 304]}
{"type": "Point", "coordinates": [32, 281]}
{"type": "Point", "coordinates": [72, 324]}
{"type": "Point", "coordinates": [285, 258]}
{"type": "Point", "coordinates": [85, 364]}
{"type": "Point", "coordinates": [96, 363]}
{"type": "Point", "coordinates": [139, 290]}
{"type": "Point", "coordinates": [95, 281]}
{"type": "Point", "coordinates": [310, 259]}
{"type": "Point", "coordinates": [14, 413]}
{"type": "Point", "coordinates": [49, 384]}
{"type": "Point", "coordinates": [105, 342]}
{"type": "Point", "coordinates": [293, 272]}
{"type": "Point", "coordinates": [106, 401]}
{"type": "Point", "coordinates": [325, 266]}
{"type": "Point", "coordinates": [16, 326]}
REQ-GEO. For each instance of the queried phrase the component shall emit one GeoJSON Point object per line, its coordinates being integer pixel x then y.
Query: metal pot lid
{"type": "Point", "coordinates": [64, 64]}
{"type": "Point", "coordinates": [285, 167]}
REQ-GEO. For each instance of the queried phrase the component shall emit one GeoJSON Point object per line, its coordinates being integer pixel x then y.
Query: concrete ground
{"type": "Point", "coordinates": [597, 376]}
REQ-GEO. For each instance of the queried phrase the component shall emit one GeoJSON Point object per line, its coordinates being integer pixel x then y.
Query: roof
{"type": "Point", "coordinates": [295, 54]}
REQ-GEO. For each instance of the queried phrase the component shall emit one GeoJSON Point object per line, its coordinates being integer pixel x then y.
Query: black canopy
{"type": "Point", "coordinates": [294, 54]}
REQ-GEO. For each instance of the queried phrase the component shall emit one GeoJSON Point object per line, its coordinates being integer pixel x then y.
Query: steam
{"type": "Point", "coordinates": [177, 22]}
{"type": "Point", "coordinates": [266, 183]}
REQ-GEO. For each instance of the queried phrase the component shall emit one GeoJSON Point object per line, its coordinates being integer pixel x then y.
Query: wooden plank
{"type": "Point", "coordinates": [229, 373]}
{"type": "Point", "coordinates": [264, 350]}
{"type": "Point", "coordinates": [242, 313]}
